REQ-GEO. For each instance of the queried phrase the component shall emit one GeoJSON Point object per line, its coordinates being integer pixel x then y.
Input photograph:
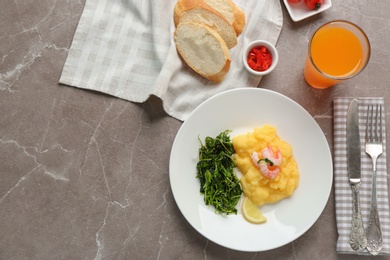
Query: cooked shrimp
{"type": "Point", "coordinates": [274, 157]}
{"type": "Point", "coordinates": [269, 163]}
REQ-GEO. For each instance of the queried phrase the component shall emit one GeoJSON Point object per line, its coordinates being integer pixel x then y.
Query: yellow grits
{"type": "Point", "coordinates": [258, 188]}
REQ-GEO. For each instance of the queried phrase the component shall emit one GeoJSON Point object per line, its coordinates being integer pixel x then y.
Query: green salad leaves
{"type": "Point", "coordinates": [215, 171]}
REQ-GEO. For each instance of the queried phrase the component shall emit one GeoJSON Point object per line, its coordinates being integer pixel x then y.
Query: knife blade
{"type": "Point", "coordinates": [358, 240]}
{"type": "Point", "coordinates": [353, 142]}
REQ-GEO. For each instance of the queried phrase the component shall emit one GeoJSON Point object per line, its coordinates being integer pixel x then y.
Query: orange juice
{"type": "Point", "coordinates": [335, 53]}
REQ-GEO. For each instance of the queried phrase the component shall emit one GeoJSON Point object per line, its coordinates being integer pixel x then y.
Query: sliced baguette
{"type": "Point", "coordinates": [203, 49]}
{"type": "Point", "coordinates": [204, 14]}
{"type": "Point", "coordinates": [239, 18]}
{"type": "Point", "coordinates": [223, 7]}
{"type": "Point", "coordinates": [232, 13]}
{"type": "Point", "coordinates": [226, 8]}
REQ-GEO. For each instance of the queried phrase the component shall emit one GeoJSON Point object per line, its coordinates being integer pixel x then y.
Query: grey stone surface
{"type": "Point", "coordinates": [84, 175]}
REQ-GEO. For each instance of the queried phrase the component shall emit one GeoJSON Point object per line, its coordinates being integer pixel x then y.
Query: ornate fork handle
{"type": "Point", "coordinates": [358, 240]}
{"type": "Point", "coordinates": [374, 233]}
{"type": "Point", "coordinates": [374, 148]}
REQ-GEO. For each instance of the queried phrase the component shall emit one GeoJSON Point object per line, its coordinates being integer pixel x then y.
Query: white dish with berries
{"type": "Point", "coordinates": [300, 11]}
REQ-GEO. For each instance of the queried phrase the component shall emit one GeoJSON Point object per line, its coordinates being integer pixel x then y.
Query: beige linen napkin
{"type": "Point", "coordinates": [343, 193]}
{"type": "Point", "coordinates": [126, 49]}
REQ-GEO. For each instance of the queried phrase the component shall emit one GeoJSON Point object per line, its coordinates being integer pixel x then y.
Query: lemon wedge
{"type": "Point", "coordinates": [251, 212]}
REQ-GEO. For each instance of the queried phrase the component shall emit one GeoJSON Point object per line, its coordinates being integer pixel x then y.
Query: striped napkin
{"type": "Point", "coordinates": [126, 49]}
{"type": "Point", "coordinates": [343, 193]}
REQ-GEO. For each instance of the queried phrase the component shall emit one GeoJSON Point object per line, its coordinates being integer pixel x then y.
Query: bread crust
{"type": "Point", "coordinates": [221, 75]}
{"type": "Point", "coordinates": [239, 18]}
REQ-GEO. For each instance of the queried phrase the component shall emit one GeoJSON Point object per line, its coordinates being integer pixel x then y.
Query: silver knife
{"type": "Point", "coordinates": [358, 240]}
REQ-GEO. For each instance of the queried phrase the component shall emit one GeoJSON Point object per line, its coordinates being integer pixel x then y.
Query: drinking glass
{"type": "Point", "coordinates": [338, 50]}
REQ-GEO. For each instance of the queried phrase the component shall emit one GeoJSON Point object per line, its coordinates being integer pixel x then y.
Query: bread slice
{"type": "Point", "coordinates": [202, 13]}
{"type": "Point", "coordinates": [232, 13]}
{"type": "Point", "coordinates": [222, 6]}
{"type": "Point", "coordinates": [226, 8]}
{"type": "Point", "coordinates": [239, 18]}
{"type": "Point", "coordinates": [203, 49]}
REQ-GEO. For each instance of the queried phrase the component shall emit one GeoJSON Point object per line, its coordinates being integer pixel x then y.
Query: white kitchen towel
{"type": "Point", "coordinates": [125, 48]}
{"type": "Point", "coordinates": [343, 193]}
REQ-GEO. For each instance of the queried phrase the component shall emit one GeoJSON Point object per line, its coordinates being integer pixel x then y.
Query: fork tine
{"type": "Point", "coordinates": [380, 123]}
{"type": "Point", "coordinates": [369, 123]}
{"type": "Point", "coordinates": [376, 124]}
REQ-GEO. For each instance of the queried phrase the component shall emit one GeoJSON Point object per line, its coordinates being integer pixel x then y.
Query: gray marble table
{"type": "Point", "coordinates": [84, 175]}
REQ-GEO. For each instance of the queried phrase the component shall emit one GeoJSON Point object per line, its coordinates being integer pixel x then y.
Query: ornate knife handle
{"type": "Point", "coordinates": [374, 233]}
{"type": "Point", "coordinates": [358, 240]}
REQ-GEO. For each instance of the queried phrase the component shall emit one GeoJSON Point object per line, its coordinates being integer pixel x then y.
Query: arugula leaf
{"type": "Point", "coordinates": [215, 171]}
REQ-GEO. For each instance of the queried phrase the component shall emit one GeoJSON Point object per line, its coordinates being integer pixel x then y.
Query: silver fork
{"type": "Point", "coordinates": [374, 149]}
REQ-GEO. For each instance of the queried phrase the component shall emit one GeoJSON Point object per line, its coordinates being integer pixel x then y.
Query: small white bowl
{"type": "Point", "coordinates": [299, 11]}
{"type": "Point", "coordinates": [272, 50]}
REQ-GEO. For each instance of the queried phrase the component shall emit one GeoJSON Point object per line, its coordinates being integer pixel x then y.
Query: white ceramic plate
{"type": "Point", "coordinates": [241, 110]}
{"type": "Point", "coordinates": [299, 11]}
